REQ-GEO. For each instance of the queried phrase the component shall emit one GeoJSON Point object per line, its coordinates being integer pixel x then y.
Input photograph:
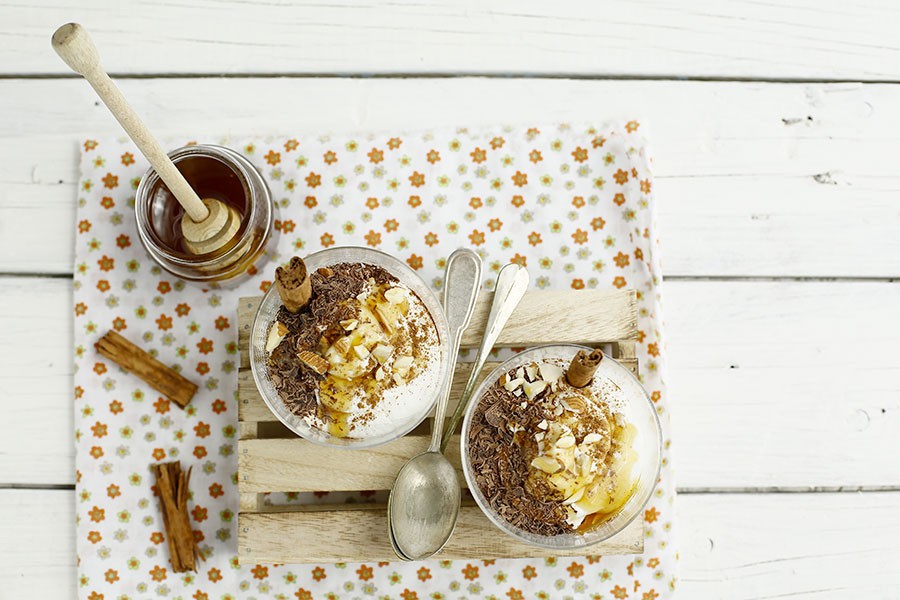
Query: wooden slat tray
{"type": "Point", "coordinates": [272, 459]}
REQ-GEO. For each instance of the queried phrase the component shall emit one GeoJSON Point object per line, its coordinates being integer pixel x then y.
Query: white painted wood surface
{"type": "Point", "coordinates": [752, 179]}
{"type": "Point", "coordinates": [824, 39]}
{"type": "Point", "coordinates": [827, 546]}
{"type": "Point", "coordinates": [766, 175]}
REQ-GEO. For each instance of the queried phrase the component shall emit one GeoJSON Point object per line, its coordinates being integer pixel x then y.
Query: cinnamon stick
{"type": "Point", "coordinates": [155, 374]}
{"type": "Point", "coordinates": [172, 486]}
{"type": "Point", "coordinates": [293, 284]}
{"type": "Point", "coordinates": [583, 366]}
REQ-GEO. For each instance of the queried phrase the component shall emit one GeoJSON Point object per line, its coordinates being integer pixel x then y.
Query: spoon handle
{"type": "Point", "coordinates": [512, 282]}
{"type": "Point", "coordinates": [462, 279]}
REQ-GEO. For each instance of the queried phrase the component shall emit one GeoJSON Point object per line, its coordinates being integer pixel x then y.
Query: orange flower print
{"type": "Point", "coordinates": [433, 156]}
{"type": "Point", "coordinates": [424, 574]}
{"type": "Point", "coordinates": [470, 572]}
{"type": "Point", "coordinates": [518, 201]}
{"type": "Point", "coordinates": [99, 368]}
{"type": "Point", "coordinates": [113, 491]}
{"type": "Point", "coordinates": [111, 576]}
{"type": "Point", "coordinates": [651, 515]}
{"type": "Point", "coordinates": [119, 324]}
{"type": "Point", "coordinates": [638, 254]}
{"type": "Point", "coordinates": [287, 226]}
{"type": "Point", "coordinates": [520, 179]}
{"type": "Point", "coordinates": [495, 224]}
{"type": "Point", "coordinates": [476, 237]}
{"type": "Point", "coordinates": [476, 203]}
{"type": "Point", "coordinates": [127, 159]}
{"type": "Point", "coordinates": [310, 202]}
{"type": "Point", "coordinates": [157, 538]}
{"type": "Point", "coordinates": [653, 563]}
{"type": "Point", "coordinates": [391, 225]}
{"type": "Point", "coordinates": [599, 182]}
{"type": "Point", "coordinates": [597, 223]}
{"type": "Point", "coordinates": [205, 346]}
{"type": "Point", "coordinates": [326, 240]}
{"type": "Point", "coordinates": [84, 226]}
{"type": "Point", "coordinates": [415, 261]}
{"type": "Point", "coordinates": [580, 236]}
{"type": "Point", "coordinates": [497, 143]}
{"type": "Point", "coordinates": [98, 429]}
{"type": "Point", "coordinates": [431, 239]}
{"type": "Point", "coordinates": [409, 595]}
{"type": "Point", "coordinates": [222, 323]}
{"type": "Point", "coordinates": [535, 156]}
{"type": "Point", "coordinates": [123, 241]}
{"type": "Point", "coordinates": [103, 285]}
{"type": "Point", "coordinates": [158, 573]}
{"type": "Point", "coordinates": [478, 155]}
{"type": "Point", "coordinates": [313, 180]}
{"type": "Point", "coordinates": [329, 157]}
{"type": "Point", "coordinates": [621, 176]}
{"type": "Point", "coordinates": [414, 201]}
{"type": "Point", "coordinates": [319, 574]}
{"type": "Point", "coordinates": [214, 575]}
{"type": "Point", "coordinates": [650, 594]}
{"type": "Point", "coordinates": [519, 260]}
{"type": "Point", "coordinates": [260, 572]}
{"type": "Point", "coordinates": [97, 514]}
{"type": "Point", "coordinates": [417, 179]}
{"type": "Point", "coordinates": [655, 397]}
{"type": "Point", "coordinates": [158, 454]}
{"type": "Point", "coordinates": [90, 145]}
{"type": "Point", "coordinates": [95, 596]}
{"type": "Point", "coordinates": [218, 406]}
{"type": "Point", "coordinates": [529, 572]}
{"type": "Point", "coordinates": [115, 407]}
{"type": "Point", "coordinates": [619, 199]}
{"type": "Point", "coordinates": [106, 263]}
{"type": "Point", "coordinates": [580, 154]}
{"type": "Point", "coordinates": [272, 157]}
{"type": "Point", "coordinates": [372, 203]}
{"type": "Point", "coordinates": [202, 368]}
{"type": "Point", "coordinates": [365, 573]}
{"type": "Point", "coordinates": [303, 594]}
{"type": "Point", "coordinates": [575, 570]}
{"type": "Point", "coordinates": [394, 143]}
{"type": "Point", "coordinates": [632, 126]}
{"type": "Point", "coordinates": [578, 201]}
{"type": "Point", "coordinates": [199, 513]}
{"type": "Point", "coordinates": [619, 282]}
{"type": "Point", "coordinates": [164, 323]}
{"type": "Point", "coordinates": [534, 238]}
{"type": "Point", "coordinates": [646, 186]}
{"type": "Point", "coordinates": [514, 594]}
{"type": "Point", "coordinates": [577, 284]}
{"type": "Point", "coordinates": [94, 537]}
{"type": "Point", "coordinates": [621, 259]}
{"type": "Point", "coordinates": [375, 156]}
{"type": "Point", "coordinates": [110, 181]}
{"type": "Point", "coordinates": [373, 238]}
{"type": "Point", "coordinates": [291, 145]}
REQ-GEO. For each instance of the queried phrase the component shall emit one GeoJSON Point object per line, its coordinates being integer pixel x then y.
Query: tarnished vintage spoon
{"type": "Point", "coordinates": [512, 283]}
{"type": "Point", "coordinates": [424, 501]}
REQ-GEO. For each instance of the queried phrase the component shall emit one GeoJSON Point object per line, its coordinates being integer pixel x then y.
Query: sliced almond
{"type": "Point", "coordinates": [520, 373]}
{"type": "Point", "coordinates": [550, 372]}
{"type": "Point", "coordinates": [531, 371]}
{"type": "Point", "coordinates": [539, 436]}
{"type": "Point", "coordinates": [382, 352]}
{"type": "Point", "coordinates": [575, 497]}
{"type": "Point", "coordinates": [566, 441]}
{"type": "Point", "coordinates": [379, 374]}
{"type": "Point", "coordinates": [398, 379]}
{"type": "Point", "coordinates": [361, 351]}
{"type": "Point", "coordinates": [276, 334]}
{"type": "Point", "coordinates": [384, 316]}
{"type": "Point", "coordinates": [523, 404]}
{"type": "Point", "coordinates": [403, 363]}
{"type": "Point", "coordinates": [342, 344]}
{"type": "Point", "coordinates": [543, 425]}
{"type": "Point", "coordinates": [558, 410]}
{"type": "Point", "coordinates": [513, 384]}
{"type": "Point", "coordinates": [504, 379]}
{"type": "Point", "coordinates": [349, 324]}
{"type": "Point", "coordinates": [546, 464]}
{"type": "Point", "coordinates": [533, 388]}
{"type": "Point", "coordinates": [313, 361]}
{"type": "Point", "coordinates": [395, 295]}
{"type": "Point", "coordinates": [592, 438]}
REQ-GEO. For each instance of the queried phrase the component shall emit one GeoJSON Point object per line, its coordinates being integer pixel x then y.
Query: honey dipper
{"type": "Point", "coordinates": [207, 224]}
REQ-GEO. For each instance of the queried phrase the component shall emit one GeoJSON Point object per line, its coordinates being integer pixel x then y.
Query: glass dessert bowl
{"type": "Point", "coordinates": [360, 363]}
{"type": "Point", "coordinates": [554, 465]}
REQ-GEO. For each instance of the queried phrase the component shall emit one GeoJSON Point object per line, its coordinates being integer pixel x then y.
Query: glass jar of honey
{"type": "Point", "coordinates": [214, 172]}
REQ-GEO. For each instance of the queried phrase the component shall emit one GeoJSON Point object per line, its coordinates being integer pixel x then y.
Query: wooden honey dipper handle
{"type": "Point", "coordinates": [75, 47]}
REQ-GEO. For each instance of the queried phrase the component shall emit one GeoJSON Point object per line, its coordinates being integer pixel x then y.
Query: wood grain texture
{"type": "Point", "coordinates": [733, 546]}
{"type": "Point", "coordinates": [772, 412]}
{"type": "Point", "coordinates": [694, 38]}
{"type": "Point", "coordinates": [360, 536]}
{"type": "Point", "coordinates": [752, 179]}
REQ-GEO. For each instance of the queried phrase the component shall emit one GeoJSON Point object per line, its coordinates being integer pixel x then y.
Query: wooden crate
{"type": "Point", "coordinates": [272, 459]}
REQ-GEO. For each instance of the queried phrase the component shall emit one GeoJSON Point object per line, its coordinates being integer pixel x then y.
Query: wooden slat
{"type": "Point", "coordinates": [773, 413]}
{"type": "Point", "coordinates": [806, 167]}
{"type": "Point", "coordinates": [693, 38]}
{"type": "Point", "coordinates": [360, 536]}
{"type": "Point", "coordinates": [252, 408]}
{"type": "Point", "coordinates": [296, 465]}
{"type": "Point", "coordinates": [536, 320]}
{"type": "Point", "coordinates": [735, 546]}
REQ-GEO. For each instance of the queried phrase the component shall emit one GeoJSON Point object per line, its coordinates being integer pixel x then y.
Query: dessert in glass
{"type": "Point", "coordinates": [349, 347]}
{"type": "Point", "coordinates": [561, 446]}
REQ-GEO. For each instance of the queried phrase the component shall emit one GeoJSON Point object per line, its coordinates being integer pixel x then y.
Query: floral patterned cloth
{"type": "Point", "coordinates": [573, 204]}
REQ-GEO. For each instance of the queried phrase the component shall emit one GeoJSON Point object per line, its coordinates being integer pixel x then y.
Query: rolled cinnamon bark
{"type": "Point", "coordinates": [583, 366]}
{"type": "Point", "coordinates": [293, 284]}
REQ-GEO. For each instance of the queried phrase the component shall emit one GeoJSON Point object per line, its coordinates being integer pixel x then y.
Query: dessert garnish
{"type": "Point", "coordinates": [548, 450]}
{"type": "Point", "coordinates": [353, 351]}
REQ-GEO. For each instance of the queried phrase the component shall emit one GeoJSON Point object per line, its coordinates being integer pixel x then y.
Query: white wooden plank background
{"type": "Point", "coordinates": [753, 179]}
{"type": "Point", "coordinates": [777, 186]}
{"type": "Point", "coordinates": [821, 39]}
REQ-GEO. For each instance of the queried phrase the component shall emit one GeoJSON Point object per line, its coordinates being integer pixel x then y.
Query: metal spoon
{"type": "Point", "coordinates": [424, 501]}
{"type": "Point", "coordinates": [512, 283]}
